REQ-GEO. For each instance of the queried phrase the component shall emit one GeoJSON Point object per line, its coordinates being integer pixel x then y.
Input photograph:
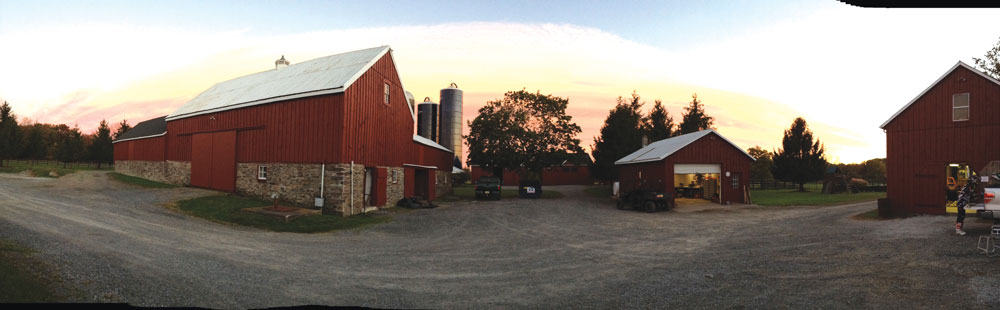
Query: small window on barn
{"type": "Point", "coordinates": [736, 180]}
{"type": "Point", "coordinates": [960, 107]}
{"type": "Point", "coordinates": [395, 176]}
{"type": "Point", "coordinates": [262, 172]}
{"type": "Point", "coordinates": [386, 93]}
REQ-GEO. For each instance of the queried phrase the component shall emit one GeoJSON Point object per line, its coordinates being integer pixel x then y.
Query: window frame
{"type": "Point", "coordinates": [385, 95]}
{"type": "Point", "coordinates": [955, 108]}
{"type": "Point", "coordinates": [261, 172]}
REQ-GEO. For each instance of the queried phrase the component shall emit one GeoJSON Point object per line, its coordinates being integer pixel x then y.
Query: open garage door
{"type": "Point", "coordinates": [697, 168]}
{"type": "Point", "coordinates": [698, 181]}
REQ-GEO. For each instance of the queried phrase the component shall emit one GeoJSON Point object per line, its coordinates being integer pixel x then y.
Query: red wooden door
{"type": "Point", "coordinates": [201, 160]}
{"type": "Point", "coordinates": [224, 161]}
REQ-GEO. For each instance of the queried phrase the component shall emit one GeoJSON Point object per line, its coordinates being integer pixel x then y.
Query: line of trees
{"type": "Point", "coordinates": [39, 141]}
{"type": "Point", "coordinates": [625, 127]}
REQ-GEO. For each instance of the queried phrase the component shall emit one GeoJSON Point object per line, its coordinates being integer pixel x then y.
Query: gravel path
{"type": "Point", "coordinates": [119, 244]}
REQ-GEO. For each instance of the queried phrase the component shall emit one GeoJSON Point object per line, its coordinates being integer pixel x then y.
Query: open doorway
{"type": "Point", "coordinates": [370, 187]}
{"type": "Point", "coordinates": [697, 186]}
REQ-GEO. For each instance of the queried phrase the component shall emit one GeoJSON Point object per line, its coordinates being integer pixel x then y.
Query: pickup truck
{"type": "Point", "coordinates": [988, 207]}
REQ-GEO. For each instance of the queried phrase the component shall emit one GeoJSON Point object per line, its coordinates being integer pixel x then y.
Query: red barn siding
{"type": "Point", "coordinates": [302, 130]}
{"type": "Point", "coordinates": [149, 149]}
{"type": "Point", "coordinates": [377, 134]}
{"type": "Point", "coordinates": [710, 149]}
{"type": "Point", "coordinates": [922, 140]}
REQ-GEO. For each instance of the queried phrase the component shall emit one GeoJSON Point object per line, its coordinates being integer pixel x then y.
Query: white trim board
{"type": "Point", "coordinates": [137, 138]}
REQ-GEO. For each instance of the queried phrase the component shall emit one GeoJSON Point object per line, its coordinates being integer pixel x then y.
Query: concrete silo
{"type": "Point", "coordinates": [450, 133]}
{"type": "Point", "coordinates": [427, 119]}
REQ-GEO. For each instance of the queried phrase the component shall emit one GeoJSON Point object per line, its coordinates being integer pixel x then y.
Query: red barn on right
{"type": "Point", "coordinates": [938, 139]}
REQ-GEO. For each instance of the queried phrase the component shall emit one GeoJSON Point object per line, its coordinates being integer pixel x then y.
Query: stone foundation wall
{"type": "Point", "coordinates": [171, 172]}
{"type": "Point", "coordinates": [394, 186]}
{"type": "Point", "coordinates": [442, 184]}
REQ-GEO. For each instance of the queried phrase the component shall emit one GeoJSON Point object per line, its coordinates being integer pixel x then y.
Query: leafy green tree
{"type": "Point", "coordinates": [70, 147]}
{"type": "Point", "coordinates": [873, 170]}
{"type": "Point", "coordinates": [100, 149]}
{"type": "Point", "coordinates": [694, 118]}
{"type": "Point", "coordinates": [800, 160]}
{"type": "Point", "coordinates": [659, 124]}
{"type": "Point", "coordinates": [10, 134]}
{"type": "Point", "coordinates": [122, 128]}
{"type": "Point", "coordinates": [621, 135]}
{"type": "Point", "coordinates": [991, 61]}
{"type": "Point", "coordinates": [522, 129]}
{"type": "Point", "coordinates": [760, 170]}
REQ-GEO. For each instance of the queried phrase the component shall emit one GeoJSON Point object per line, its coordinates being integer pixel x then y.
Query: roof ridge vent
{"type": "Point", "coordinates": [452, 85]}
{"type": "Point", "coordinates": [281, 63]}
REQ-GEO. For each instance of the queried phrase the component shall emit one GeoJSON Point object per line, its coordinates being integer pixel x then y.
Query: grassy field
{"type": "Point", "coordinates": [22, 277]}
{"type": "Point", "coordinates": [812, 197]}
{"type": "Point", "coordinates": [47, 169]}
{"type": "Point", "coordinates": [228, 209]}
{"type": "Point", "coordinates": [138, 181]}
{"type": "Point", "coordinates": [468, 192]}
{"type": "Point", "coordinates": [599, 191]}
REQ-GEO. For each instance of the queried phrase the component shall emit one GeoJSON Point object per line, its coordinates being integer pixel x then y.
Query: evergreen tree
{"type": "Point", "coordinates": [10, 135]}
{"type": "Point", "coordinates": [122, 128]}
{"type": "Point", "coordinates": [100, 149]}
{"type": "Point", "coordinates": [659, 124]}
{"type": "Point", "coordinates": [34, 142]}
{"type": "Point", "coordinates": [621, 135]}
{"type": "Point", "coordinates": [800, 160]}
{"type": "Point", "coordinates": [695, 118]}
{"type": "Point", "coordinates": [70, 147]}
{"type": "Point", "coordinates": [990, 62]}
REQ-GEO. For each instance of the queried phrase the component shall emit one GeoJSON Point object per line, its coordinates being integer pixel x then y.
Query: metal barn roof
{"type": "Point", "coordinates": [320, 76]}
{"type": "Point", "coordinates": [659, 150]}
{"type": "Point", "coordinates": [146, 129]}
{"type": "Point", "coordinates": [430, 143]}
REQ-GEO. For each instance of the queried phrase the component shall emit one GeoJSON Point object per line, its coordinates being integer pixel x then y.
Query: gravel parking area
{"type": "Point", "coordinates": [119, 244]}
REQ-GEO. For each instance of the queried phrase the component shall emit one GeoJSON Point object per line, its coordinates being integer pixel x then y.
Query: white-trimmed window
{"type": "Point", "coordinates": [395, 176]}
{"type": "Point", "coordinates": [386, 93]}
{"type": "Point", "coordinates": [262, 172]}
{"type": "Point", "coordinates": [960, 107]}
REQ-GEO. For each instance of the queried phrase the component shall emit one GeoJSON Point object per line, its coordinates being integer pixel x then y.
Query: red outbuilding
{"type": "Point", "coordinates": [933, 143]}
{"type": "Point", "coordinates": [336, 131]}
{"type": "Point", "coordinates": [700, 164]}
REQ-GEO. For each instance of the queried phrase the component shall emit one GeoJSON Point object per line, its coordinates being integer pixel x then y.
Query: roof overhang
{"type": "Point", "coordinates": [959, 64]}
{"type": "Point", "coordinates": [430, 143]}
{"type": "Point", "coordinates": [143, 137]}
{"type": "Point", "coordinates": [259, 102]}
{"type": "Point", "coordinates": [420, 166]}
{"type": "Point", "coordinates": [665, 155]}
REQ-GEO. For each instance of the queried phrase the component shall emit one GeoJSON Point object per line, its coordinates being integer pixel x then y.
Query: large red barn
{"type": "Point", "coordinates": [700, 164]}
{"type": "Point", "coordinates": [338, 127]}
{"type": "Point", "coordinates": [939, 137]}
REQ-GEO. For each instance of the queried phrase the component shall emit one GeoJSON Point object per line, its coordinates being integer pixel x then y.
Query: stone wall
{"type": "Point", "coordinates": [395, 184]}
{"type": "Point", "coordinates": [178, 172]}
{"type": "Point", "coordinates": [296, 183]}
{"type": "Point", "coordinates": [150, 170]}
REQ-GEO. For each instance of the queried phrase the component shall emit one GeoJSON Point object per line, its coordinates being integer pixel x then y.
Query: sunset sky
{"type": "Point", "coordinates": [756, 65]}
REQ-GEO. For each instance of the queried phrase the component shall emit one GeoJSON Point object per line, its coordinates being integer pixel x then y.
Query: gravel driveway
{"type": "Point", "coordinates": [119, 244]}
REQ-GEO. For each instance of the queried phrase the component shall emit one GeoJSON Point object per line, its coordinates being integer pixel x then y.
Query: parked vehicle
{"type": "Point", "coordinates": [645, 200]}
{"type": "Point", "coordinates": [530, 189]}
{"type": "Point", "coordinates": [488, 187]}
{"type": "Point", "coordinates": [984, 203]}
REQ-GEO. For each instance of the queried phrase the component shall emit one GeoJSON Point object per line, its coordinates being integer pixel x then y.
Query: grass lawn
{"type": "Point", "coordinates": [599, 191]}
{"type": "Point", "coordinates": [44, 168]}
{"type": "Point", "coordinates": [138, 181]}
{"type": "Point", "coordinates": [22, 277]}
{"type": "Point", "coordinates": [812, 197]}
{"type": "Point", "coordinates": [468, 192]}
{"type": "Point", "coordinates": [227, 209]}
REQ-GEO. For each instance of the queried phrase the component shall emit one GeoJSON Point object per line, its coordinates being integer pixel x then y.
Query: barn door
{"type": "Point", "coordinates": [224, 161]}
{"type": "Point", "coordinates": [213, 160]}
{"type": "Point", "coordinates": [369, 183]}
{"type": "Point", "coordinates": [201, 160]}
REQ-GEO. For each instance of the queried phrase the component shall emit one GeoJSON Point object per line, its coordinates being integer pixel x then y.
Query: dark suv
{"type": "Point", "coordinates": [488, 187]}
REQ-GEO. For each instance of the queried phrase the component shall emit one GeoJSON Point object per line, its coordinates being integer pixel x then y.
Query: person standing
{"type": "Point", "coordinates": [964, 196]}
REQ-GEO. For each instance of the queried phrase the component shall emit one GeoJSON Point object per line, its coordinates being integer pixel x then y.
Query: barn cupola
{"type": "Point", "coordinates": [281, 63]}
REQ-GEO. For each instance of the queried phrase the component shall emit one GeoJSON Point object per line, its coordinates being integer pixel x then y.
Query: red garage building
{"type": "Point", "coordinates": [700, 164]}
{"type": "Point", "coordinates": [948, 130]}
{"type": "Point", "coordinates": [338, 128]}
